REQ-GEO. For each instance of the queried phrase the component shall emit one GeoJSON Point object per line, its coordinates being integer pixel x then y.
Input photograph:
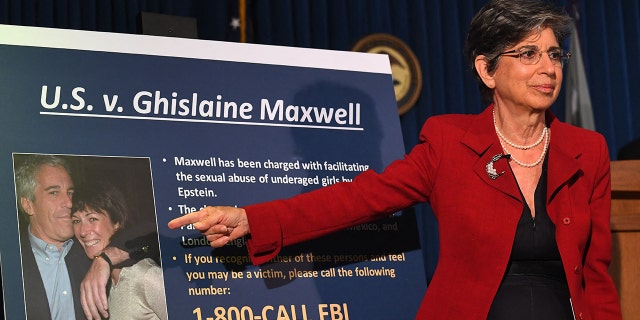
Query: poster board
{"type": "Point", "coordinates": [216, 124]}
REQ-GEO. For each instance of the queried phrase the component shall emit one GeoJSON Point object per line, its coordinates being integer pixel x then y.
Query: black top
{"type": "Point", "coordinates": [534, 286]}
{"type": "Point", "coordinates": [535, 237]}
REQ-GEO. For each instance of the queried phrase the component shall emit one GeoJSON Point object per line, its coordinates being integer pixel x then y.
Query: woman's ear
{"type": "Point", "coordinates": [482, 68]}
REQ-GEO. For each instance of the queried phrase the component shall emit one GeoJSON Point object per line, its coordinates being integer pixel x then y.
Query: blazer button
{"type": "Point", "coordinates": [566, 220]}
{"type": "Point", "coordinates": [576, 269]}
{"type": "Point", "coordinates": [581, 316]}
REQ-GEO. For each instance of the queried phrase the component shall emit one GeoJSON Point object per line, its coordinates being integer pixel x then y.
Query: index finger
{"type": "Point", "coordinates": [184, 220]}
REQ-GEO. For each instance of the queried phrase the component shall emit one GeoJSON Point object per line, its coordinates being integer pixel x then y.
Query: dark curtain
{"type": "Point", "coordinates": [434, 29]}
{"type": "Point", "coordinates": [610, 35]}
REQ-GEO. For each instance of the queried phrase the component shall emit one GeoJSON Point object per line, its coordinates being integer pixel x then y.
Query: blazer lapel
{"type": "Point", "coordinates": [563, 164]}
{"type": "Point", "coordinates": [562, 167]}
{"type": "Point", "coordinates": [482, 139]}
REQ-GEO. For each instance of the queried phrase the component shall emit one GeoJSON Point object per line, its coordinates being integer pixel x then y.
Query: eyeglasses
{"type": "Point", "coordinates": [531, 55]}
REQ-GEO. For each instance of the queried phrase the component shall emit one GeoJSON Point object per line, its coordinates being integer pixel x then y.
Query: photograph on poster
{"type": "Point", "coordinates": [70, 210]}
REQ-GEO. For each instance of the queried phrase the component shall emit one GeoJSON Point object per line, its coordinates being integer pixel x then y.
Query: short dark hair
{"type": "Point", "coordinates": [28, 170]}
{"type": "Point", "coordinates": [102, 197]}
{"type": "Point", "coordinates": [503, 23]}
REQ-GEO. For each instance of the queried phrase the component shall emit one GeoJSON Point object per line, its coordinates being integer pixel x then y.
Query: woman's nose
{"type": "Point", "coordinates": [85, 229]}
{"type": "Point", "coordinates": [548, 65]}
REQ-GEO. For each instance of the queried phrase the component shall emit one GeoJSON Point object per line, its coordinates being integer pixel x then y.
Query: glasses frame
{"type": "Point", "coordinates": [518, 53]}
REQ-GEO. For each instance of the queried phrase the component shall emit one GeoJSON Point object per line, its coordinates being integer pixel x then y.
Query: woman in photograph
{"type": "Point", "coordinates": [137, 288]}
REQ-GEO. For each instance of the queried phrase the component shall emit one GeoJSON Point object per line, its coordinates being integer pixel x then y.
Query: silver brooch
{"type": "Point", "coordinates": [491, 171]}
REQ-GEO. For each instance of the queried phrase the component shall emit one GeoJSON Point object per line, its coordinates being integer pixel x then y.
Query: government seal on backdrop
{"type": "Point", "coordinates": [405, 68]}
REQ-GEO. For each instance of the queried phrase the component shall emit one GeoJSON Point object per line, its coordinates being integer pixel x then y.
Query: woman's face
{"type": "Point", "coordinates": [529, 87]}
{"type": "Point", "coordinates": [93, 230]}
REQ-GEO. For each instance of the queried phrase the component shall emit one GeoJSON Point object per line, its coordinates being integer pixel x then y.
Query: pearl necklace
{"type": "Point", "coordinates": [546, 134]}
{"type": "Point", "coordinates": [517, 146]}
{"type": "Point", "coordinates": [537, 162]}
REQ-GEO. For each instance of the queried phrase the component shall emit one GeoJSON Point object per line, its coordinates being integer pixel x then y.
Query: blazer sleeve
{"type": "Point", "coordinates": [369, 196]}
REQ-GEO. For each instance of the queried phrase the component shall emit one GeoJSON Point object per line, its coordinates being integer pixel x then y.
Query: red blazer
{"type": "Point", "coordinates": [477, 216]}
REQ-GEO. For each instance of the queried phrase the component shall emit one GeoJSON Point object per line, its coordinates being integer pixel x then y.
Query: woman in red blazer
{"type": "Point", "coordinates": [522, 199]}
